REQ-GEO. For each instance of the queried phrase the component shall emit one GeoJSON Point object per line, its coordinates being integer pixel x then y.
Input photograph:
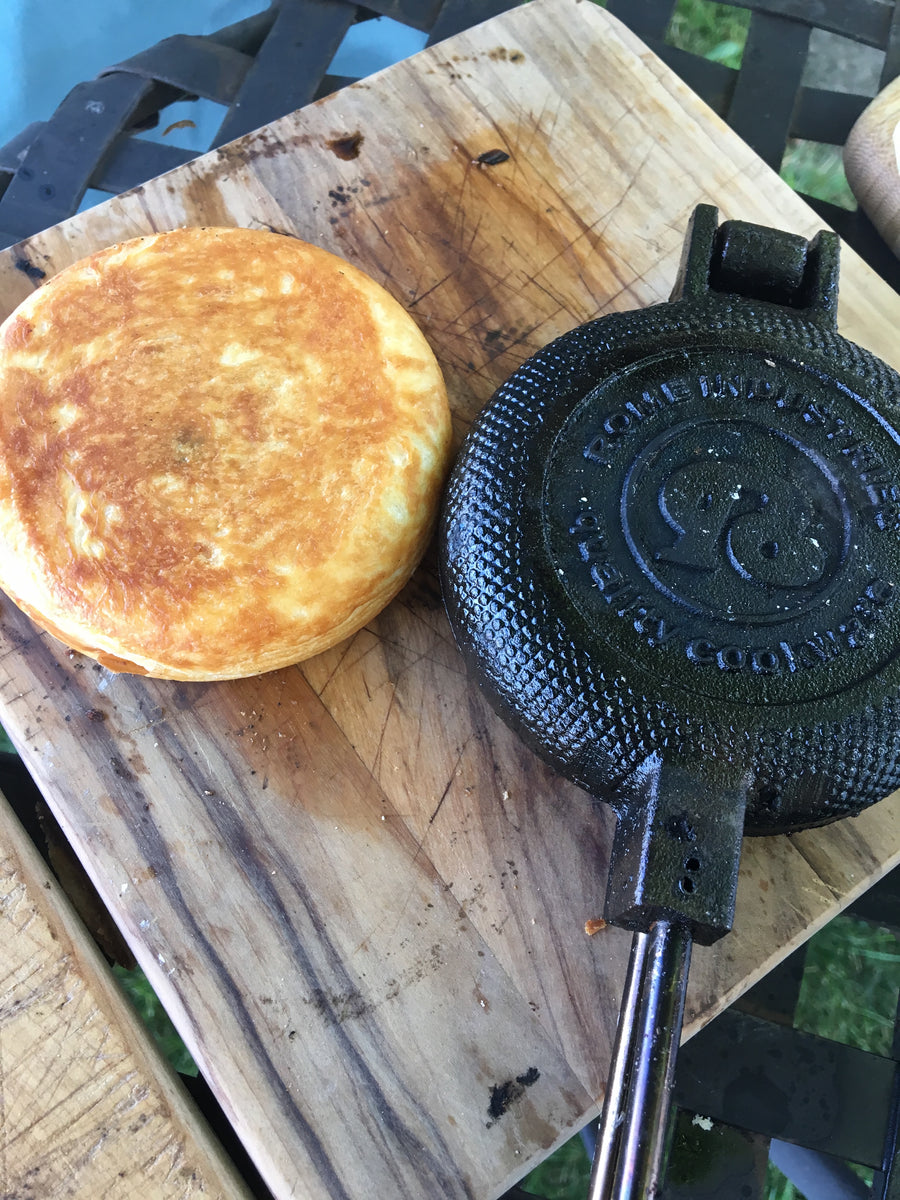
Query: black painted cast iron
{"type": "Point", "coordinates": [671, 553]}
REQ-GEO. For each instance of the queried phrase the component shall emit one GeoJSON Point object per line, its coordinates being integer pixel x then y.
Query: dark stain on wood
{"type": "Point", "coordinates": [203, 199]}
{"type": "Point", "coordinates": [492, 158]}
{"type": "Point", "coordinates": [270, 228]}
{"type": "Point", "coordinates": [346, 145]}
{"type": "Point", "coordinates": [120, 770]}
{"type": "Point", "coordinates": [501, 54]}
{"type": "Point", "coordinates": [33, 272]}
{"type": "Point", "coordinates": [503, 1095]}
{"type": "Point", "coordinates": [340, 1007]}
{"type": "Point", "coordinates": [342, 195]}
{"type": "Point", "coordinates": [263, 143]}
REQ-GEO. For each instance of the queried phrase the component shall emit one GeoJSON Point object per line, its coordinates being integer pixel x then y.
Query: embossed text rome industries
{"type": "Point", "coordinates": [870, 468]}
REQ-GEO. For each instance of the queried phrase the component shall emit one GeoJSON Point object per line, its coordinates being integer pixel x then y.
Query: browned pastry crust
{"type": "Point", "coordinates": [220, 452]}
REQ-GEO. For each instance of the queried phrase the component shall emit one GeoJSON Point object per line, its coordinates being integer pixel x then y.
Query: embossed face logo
{"type": "Point", "coordinates": [735, 520]}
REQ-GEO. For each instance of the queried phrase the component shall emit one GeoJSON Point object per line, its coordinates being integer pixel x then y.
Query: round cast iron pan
{"type": "Point", "coordinates": [675, 531]}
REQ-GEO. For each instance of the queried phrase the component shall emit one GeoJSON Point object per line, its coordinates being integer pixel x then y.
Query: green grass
{"type": "Point", "coordinates": [715, 31]}
{"type": "Point", "coordinates": [719, 32]}
{"type": "Point", "coordinates": [850, 985]}
{"type": "Point", "coordinates": [815, 169]}
{"type": "Point", "coordinates": [564, 1175]}
{"type": "Point", "coordinates": [154, 1016]}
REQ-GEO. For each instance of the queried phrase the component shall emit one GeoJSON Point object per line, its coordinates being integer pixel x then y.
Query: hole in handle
{"type": "Point", "coordinates": [688, 884]}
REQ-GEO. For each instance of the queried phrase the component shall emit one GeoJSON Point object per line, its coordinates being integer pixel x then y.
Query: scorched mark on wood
{"type": "Point", "coordinates": [492, 158]}
{"type": "Point", "coordinates": [346, 146]}
{"type": "Point", "coordinates": [503, 1095]}
{"type": "Point", "coordinates": [29, 269]}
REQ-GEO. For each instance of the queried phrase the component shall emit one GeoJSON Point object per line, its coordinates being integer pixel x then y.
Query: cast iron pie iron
{"type": "Point", "coordinates": [671, 553]}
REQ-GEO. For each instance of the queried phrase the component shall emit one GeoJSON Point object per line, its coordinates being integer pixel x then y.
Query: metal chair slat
{"type": "Point", "coordinates": [290, 64]}
{"type": "Point", "coordinates": [765, 94]}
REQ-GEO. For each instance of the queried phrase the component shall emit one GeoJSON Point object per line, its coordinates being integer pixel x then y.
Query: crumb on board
{"type": "Point", "coordinates": [594, 925]}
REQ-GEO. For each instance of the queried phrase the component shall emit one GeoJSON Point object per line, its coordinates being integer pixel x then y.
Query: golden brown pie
{"type": "Point", "coordinates": [220, 452]}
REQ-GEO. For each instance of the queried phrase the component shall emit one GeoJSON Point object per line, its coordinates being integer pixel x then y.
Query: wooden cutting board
{"type": "Point", "coordinates": [360, 898]}
{"type": "Point", "coordinates": [89, 1109]}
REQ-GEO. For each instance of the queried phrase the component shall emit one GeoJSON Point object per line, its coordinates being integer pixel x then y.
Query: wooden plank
{"type": "Point", "coordinates": [88, 1108]}
{"type": "Point", "coordinates": [362, 901]}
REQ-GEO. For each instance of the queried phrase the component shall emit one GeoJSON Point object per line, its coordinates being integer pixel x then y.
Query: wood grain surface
{"type": "Point", "coordinates": [88, 1108]}
{"type": "Point", "coordinates": [360, 898]}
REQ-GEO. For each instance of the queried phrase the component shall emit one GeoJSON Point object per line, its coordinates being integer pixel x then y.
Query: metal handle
{"type": "Point", "coordinates": [631, 1141]}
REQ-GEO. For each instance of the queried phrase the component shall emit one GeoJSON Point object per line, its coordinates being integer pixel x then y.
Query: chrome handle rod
{"type": "Point", "coordinates": [606, 1152]}
{"type": "Point", "coordinates": [629, 1161]}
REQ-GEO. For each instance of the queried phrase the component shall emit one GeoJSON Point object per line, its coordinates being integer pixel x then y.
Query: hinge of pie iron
{"type": "Point", "coordinates": [738, 258]}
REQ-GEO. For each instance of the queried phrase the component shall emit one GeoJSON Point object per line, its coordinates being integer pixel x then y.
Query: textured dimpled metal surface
{"type": "Point", "coordinates": [678, 529]}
